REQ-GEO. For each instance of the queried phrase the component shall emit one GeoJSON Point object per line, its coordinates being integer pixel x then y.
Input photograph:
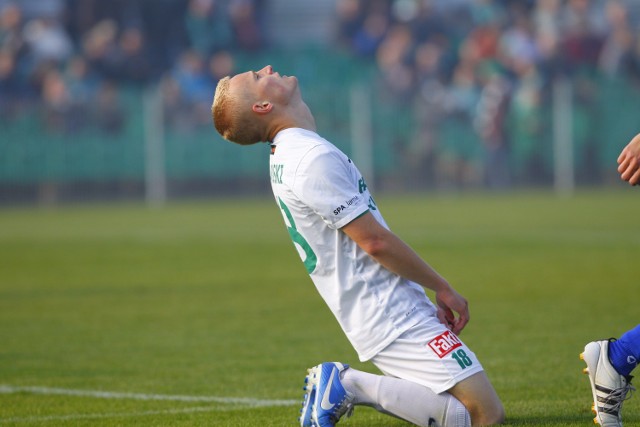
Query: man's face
{"type": "Point", "coordinates": [265, 85]}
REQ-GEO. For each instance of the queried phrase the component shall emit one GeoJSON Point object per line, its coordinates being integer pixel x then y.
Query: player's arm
{"type": "Point", "coordinates": [395, 255]}
{"type": "Point", "coordinates": [629, 161]}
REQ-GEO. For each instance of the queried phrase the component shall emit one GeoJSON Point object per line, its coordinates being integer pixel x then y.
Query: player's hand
{"type": "Point", "coordinates": [449, 303]}
{"type": "Point", "coordinates": [629, 162]}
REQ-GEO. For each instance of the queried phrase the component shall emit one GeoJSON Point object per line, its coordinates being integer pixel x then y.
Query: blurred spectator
{"type": "Point", "coordinates": [187, 91]}
{"type": "Point", "coordinates": [546, 26]}
{"type": "Point", "coordinates": [192, 77]}
{"type": "Point", "coordinates": [208, 26]}
{"type": "Point", "coordinates": [583, 17]}
{"type": "Point", "coordinates": [221, 65]}
{"type": "Point", "coordinates": [429, 109]}
{"type": "Point", "coordinates": [617, 49]}
{"type": "Point", "coordinates": [529, 150]}
{"type": "Point", "coordinates": [60, 115]}
{"type": "Point", "coordinates": [634, 62]}
{"type": "Point", "coordinates": [176, 109]}
{"type": "Point", "coordinates": [425, 22]}
{"type": "Point", "coordinates": [393, 60]}
{"type": "Point", "coordinates": [517, 44]}
{"type": "Point", "coordinates": [99, 47]}
{"type": "Point", "coordinates": [456, 16]}
{"type": "Point", "coordinates": [458, 162]}
{"type": "Point", "coordinates": [372, 33]}
{"type": "Point", "coordinates": [163, 24]}
{"type": "Point", "coordinates": [130, 61]}
{"type": "Point", "coordinates": [194, 86]}
{"type": "Point", "coordinates": [463, 91]}
{"type": "Point", "coordinates": [11, 28]}
{"type": "Point", "coordinates": [108, 113]}
{"type": "Point", "coordinates": [46, 41]}
{"type": "Point", "coordinates": [487, 12]}
{"type": "Point", "coordinates": [10, 85]}
{"type": "Point", "coordinates": [80, 81]}
{"type": "Point", "coordinates": [583, 27]}
{"type": "Point", "coordinates": [49, 9]}
{"type": "Point", "coordinates": [349, 15]}
{"type": "Point", "coordinates": [428, 60]}
{"type": "Point", "coordinates": [491, 125]}
{"type": "Point", "coordinates": [483, 43]}
{"type": "Point", "coordinates": [246, 27]}
{"type": "Point", "coordinates": [82, 15]}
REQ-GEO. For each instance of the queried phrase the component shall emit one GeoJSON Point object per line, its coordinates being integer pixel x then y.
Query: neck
{"type": "Point", "coordinates": [299, 117]}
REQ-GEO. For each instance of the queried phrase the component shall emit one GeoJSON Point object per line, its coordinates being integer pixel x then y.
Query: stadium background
{"type": "Point", "coordinates": [111, 100]}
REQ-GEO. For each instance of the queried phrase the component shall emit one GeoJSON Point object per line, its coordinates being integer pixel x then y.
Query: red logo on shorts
{"type": "Point", "coordinates": [444, 344]}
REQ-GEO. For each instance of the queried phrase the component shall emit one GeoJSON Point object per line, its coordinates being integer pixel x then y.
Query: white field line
{"type": "Point", "coordinates": [245, 401]}
{"type": "Point", "coordinates": [237, 402]}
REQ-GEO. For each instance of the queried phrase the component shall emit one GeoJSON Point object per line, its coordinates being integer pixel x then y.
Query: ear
{"type": "Point", "coordinates": [262, 107]}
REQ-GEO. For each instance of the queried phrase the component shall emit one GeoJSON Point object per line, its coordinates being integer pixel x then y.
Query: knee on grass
{"type": "Point", "coordinates": [486, 415]}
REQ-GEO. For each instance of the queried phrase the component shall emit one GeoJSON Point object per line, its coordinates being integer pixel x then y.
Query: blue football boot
{"type": "Point", "coordinates": [331, 400]}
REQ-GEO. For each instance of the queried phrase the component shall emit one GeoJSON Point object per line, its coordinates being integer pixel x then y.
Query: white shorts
{"type": "Point", "coordinates": [428, 354]}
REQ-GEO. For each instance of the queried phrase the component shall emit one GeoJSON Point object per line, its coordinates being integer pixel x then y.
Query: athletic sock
{"type": "Point", "coordinates": [624, 353]}
{"type": "Point", "coordinates": [405, 400]}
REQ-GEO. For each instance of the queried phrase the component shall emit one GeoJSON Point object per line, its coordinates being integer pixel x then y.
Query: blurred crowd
{"type": "Point", "coordinates": [67, 59]}
{"type": "Point", "coordinates": [476, 63]}
{"type": "Point", "coordinates": [484, 62]}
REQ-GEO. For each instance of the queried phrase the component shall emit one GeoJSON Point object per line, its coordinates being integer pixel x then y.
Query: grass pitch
{"type": "Point", "coordinates": [202, 314]}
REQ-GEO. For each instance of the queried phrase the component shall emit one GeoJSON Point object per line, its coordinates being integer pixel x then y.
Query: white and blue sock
{"type": "Point", "coordinates": [405, 400]}
{"type": "Point", "coordinates": [624, 353]}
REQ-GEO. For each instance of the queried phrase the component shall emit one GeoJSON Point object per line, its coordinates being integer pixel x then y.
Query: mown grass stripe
{"type": "Point", "coordinates": [72, 417]}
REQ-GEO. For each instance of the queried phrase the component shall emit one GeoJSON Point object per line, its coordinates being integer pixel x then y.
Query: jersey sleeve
{"type": "Point", "coordinates": [330, 184]}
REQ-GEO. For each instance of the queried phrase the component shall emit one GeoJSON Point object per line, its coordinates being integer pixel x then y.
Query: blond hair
{"type": "Point", "coordinates": [229, 113]}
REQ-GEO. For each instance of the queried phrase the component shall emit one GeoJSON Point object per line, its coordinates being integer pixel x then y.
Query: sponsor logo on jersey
{"type": "Point", "coordinates": [339, 209]}
{"type": "Point", "coordinates": [349, 202]}
{"type": "Point", "coordinates": [352, 200]}
{"type": "Point", "coordinates": [444, 344]}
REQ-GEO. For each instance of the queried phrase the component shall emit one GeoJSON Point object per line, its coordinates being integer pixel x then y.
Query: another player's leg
{"type": "Point", "coordinates": [624, 352]}
{"type": "Point", "coordinates": [610, 381]}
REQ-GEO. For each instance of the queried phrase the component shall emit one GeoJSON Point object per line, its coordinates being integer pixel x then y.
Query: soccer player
{"type": "Point", "coordinates": [371, 280]}
{"type": "Point", "coordinates": [610, 362]}
{"type": "Point", "coordinates": [629, 161]}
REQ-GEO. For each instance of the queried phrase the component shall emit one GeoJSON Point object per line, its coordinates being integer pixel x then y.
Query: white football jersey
{"type": "Point", "coordinates": [319, 190]}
